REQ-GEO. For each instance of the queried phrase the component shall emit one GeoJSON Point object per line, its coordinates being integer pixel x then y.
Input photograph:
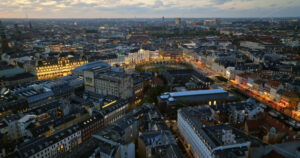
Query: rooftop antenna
{"type": "Point", "coordinates": [26, 17]}
{"type": "Point", "coordinates": [27, 20]}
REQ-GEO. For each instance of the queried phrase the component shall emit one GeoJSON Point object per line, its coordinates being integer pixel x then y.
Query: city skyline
{"type": "Point", "coordinates": [148, 9]}
{"type": "Point", "coordinates": [149, 79]}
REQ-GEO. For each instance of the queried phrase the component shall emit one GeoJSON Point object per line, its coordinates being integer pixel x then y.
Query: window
{"type": "Point", "coordinates": [88, 81]}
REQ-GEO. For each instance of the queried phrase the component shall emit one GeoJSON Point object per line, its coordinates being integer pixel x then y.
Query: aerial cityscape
{"type": "Point", "coordinates": [150, 79]}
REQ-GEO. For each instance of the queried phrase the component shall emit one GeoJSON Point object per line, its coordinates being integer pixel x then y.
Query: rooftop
{"type": "Point", "coordinates": [90, 65]}
{"type": "Point", "coordinates": [208, 132]}
{"type": "Point", "coordinates": [38, 144]}
{"type": "Point", "coordinates": [157, 138]}
{"type": "Point", "coordinates": [197, 92]}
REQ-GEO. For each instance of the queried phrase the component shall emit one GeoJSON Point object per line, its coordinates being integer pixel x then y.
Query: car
{"type": "Point", "coordinates": [273, 113]}
{"type": "Point", "coordinates": [263, 106]}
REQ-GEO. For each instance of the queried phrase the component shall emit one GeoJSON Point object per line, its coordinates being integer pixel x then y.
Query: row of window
{"type": "Point", "coordinates": [87, 132]}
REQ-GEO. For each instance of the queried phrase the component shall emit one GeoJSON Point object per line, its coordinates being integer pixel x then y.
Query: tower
{"type": "Point", "coordinates": [30, 26]}
{"type": "Point", "coordinates": [2, 31]}
{"type": "Point", "coordinates": [3, 40]}
{"type": "Point", "coordinates": [177, 21]}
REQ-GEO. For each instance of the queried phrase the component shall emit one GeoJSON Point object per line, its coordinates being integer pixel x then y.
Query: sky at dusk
{"type": "Point", "coordinates": [147, 8]}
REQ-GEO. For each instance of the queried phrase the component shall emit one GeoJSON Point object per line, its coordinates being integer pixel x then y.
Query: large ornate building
{"type": "Point", "coordinates": [58, 67]}
{"type": "Point", "coordinates": [105, 81]}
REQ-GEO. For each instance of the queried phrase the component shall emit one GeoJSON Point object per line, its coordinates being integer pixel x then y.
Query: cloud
{"type": "Point", "coordinates": [157, 4]}
{"type": "Point", "coordinates": [220, 1]}
{"type": "Point", "coordinates": [254, 4]}
{"type": "Point", "coordinates": [148, 8]}
{"type": "Point", "coordinates": [38, 8]}
{"type": "Point", "coordinates": [61, 6]}
{"type": "Point", "coordinates": [48, 3]}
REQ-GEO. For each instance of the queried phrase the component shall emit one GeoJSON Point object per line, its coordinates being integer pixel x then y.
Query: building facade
{"type": "Point", "coordinates": [208, 140]}
{"type": "Point", "coordinates": [108, 82]}
{"type": "Point", "coordinates": [57, 68]}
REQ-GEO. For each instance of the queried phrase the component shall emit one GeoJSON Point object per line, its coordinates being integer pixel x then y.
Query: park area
{"type": "Point", "coordinates": [158, 67]}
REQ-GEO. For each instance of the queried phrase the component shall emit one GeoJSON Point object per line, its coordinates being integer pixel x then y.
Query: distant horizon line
{"type": "Point", "coordinates": [165, 17]}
